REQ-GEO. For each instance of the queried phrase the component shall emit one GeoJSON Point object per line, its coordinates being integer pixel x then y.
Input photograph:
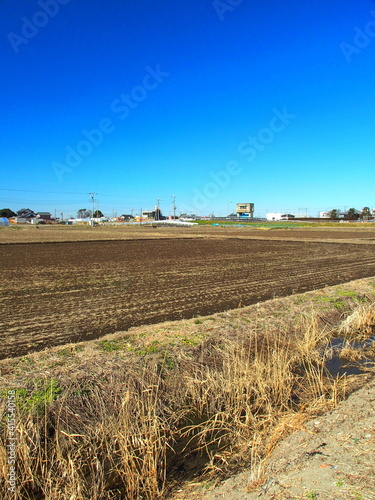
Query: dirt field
{"type": "Point", "coordinates": [40, 234]}
{"type": "Point", "coordinates": [64, 292]}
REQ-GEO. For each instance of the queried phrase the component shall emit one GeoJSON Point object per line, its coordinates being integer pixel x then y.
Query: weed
{"type": "Point", "coordinates": [337, 303]}
{"type": "Point", "coordinates": [168, 362]}
{"type": "Point", "coordinates": [114, 345]}
{"type": "Point", "coordinates": [346, 293]}
{"type": "Point", "coordinates": [151, 348]}
{"type": "Point", "coordinates": [27, 360]}
{"type": "Point", "coordinates": [190, 341]}
{"type": "Point", "coordinates": [37, 399]}
{"type": "Point", "coordinates": [84, 390]}
{"type": "Point", "coordinates": [324, 299]}
{"type": "Point", "coordinates": [313, 495]}
{"type": "Point", "coordinates": [110, 345]}
{"type": "Point", "coordinates": [65, 353]}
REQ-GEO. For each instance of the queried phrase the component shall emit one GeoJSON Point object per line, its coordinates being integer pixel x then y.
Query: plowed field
{"type": "Point", "coordinates": [55, 293]}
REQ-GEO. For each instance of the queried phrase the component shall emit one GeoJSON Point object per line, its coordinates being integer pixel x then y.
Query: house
{"type": "Point", "coordinates": [279, 216]}
{"type": "Point", "coordinates": [20, 220]}
{"type": "Point", "coordinates": [44, 215]}
{"type": "Point", "coordinates": [26, 213]}
{"type": "Point", "coordinates": [352, 214]}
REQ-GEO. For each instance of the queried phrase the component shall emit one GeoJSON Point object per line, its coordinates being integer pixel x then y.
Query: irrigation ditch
{"type": "Point", "coordinates": [140, 413]}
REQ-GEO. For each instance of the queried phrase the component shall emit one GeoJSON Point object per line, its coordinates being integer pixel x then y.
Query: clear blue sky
{"type": "Point", "coordinates": [215, 102]}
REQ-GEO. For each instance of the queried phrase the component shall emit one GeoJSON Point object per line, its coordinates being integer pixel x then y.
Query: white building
{"type": "Point", "coordinates": [279, 216]}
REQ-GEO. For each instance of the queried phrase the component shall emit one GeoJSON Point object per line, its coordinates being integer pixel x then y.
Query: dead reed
{"type": "Point", "coordinates": [154, 420]}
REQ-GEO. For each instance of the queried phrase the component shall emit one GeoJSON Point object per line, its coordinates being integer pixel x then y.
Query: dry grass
{"type": "Point", "coordinates": [360, 322]}
{"type": "Point", "coordinates": [129, 425]}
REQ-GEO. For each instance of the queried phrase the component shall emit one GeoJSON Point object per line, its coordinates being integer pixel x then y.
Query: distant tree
{"type": "Point", "coordinates": [352, 213]}
{"type": "Point", "coordinates": [83, 213]}
{"type": "Point", "coordinates": [366, 212]}
{"type": "Point", "coordinates": [334, 213]}
{"type": "Point", "coordinates": [7, 212]}
{"type": "Point", "coordinates": [98, 214]}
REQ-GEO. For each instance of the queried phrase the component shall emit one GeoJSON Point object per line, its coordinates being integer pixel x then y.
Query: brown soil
{"type": "Point", "coordinates": [66, 292]}
{"type": "Point", "coordinates": [42, 234]}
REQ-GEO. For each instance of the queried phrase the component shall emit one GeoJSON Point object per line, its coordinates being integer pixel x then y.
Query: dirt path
{"type": "Point", "coordinates": [331, 457]}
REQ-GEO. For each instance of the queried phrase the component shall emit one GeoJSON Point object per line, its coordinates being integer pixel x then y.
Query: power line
{"type": "Point", "coordinates": [63, 192]}
{"type": "Point", "coordinates": [39, 192]}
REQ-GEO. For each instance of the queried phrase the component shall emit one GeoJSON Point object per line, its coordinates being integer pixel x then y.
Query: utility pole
{"type": "Point", "coordinates": [174, 207]}
{"type": "Point", "coordinates": [93, 201]}
{"type": "Point", "coordinates": [157, 209]}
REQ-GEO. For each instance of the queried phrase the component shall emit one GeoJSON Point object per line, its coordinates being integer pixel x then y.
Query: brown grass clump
{"type": "Point", "coordinates": [133, 428]}
{"type": "Point", "coordinates": [361, 322]}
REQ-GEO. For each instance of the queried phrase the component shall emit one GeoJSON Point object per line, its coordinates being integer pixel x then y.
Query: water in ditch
{"type": "Point", "coordinates": [339, 366]}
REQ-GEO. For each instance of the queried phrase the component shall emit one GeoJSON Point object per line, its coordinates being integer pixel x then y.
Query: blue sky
{"type": "Point", "coordinates": [213, 101]}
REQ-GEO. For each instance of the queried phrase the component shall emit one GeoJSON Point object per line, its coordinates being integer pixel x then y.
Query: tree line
{"type": "Point", "coordinates": [81, 214]}
{"type": "Point", "coordinates": [352, 213]}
